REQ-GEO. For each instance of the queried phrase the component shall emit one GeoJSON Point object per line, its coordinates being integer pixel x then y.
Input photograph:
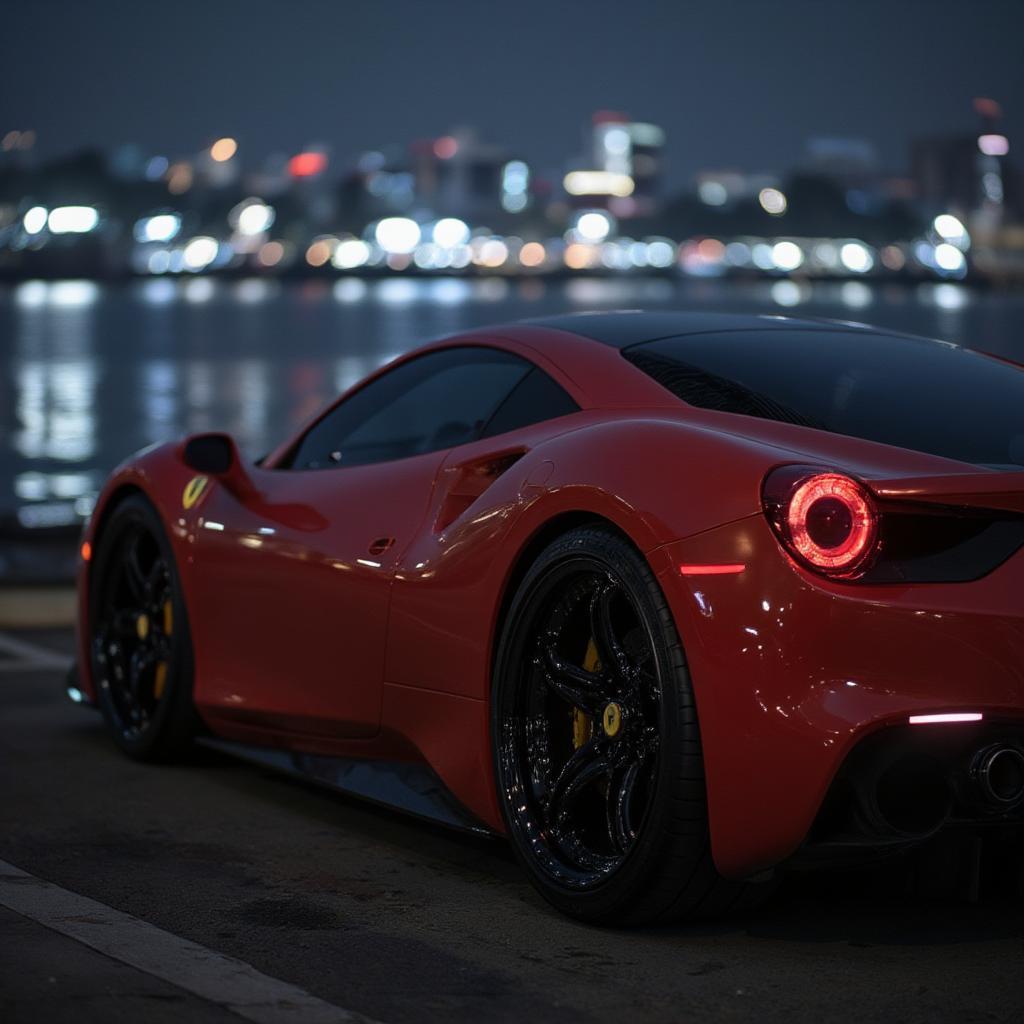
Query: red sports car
{"type": "Point", "coordinates": [670, 600]}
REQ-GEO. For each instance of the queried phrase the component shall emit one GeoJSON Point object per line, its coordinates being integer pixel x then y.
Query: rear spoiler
{"type": "Point", "coordinates": [996, 490]}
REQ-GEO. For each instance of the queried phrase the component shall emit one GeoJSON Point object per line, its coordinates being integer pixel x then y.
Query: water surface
{"type": "Point", "coordinates": [90, 373]}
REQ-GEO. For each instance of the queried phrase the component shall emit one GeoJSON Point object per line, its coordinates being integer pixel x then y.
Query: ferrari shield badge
{"type": "Point", "coordinates": [194, 490]}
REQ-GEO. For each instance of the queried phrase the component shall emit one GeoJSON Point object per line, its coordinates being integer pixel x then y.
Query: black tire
{"type": "Point", "coordinates": [140, 644]}
{"type": "Point", "coordinates": [646, 857]}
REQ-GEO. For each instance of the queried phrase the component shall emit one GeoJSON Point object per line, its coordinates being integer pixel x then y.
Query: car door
{"type": "Point", "coordinates": [291, 606]}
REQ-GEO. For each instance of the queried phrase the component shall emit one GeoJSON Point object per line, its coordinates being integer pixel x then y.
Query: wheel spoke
{"type": "Point", "coordinates": [585, 766]}
{"type": "Point", "coordinates": [111, 654]}
{"type": "Point", "coordinates": [141, 661]}
{"type": "Point", "coordinates": [134, 575]}
{"type": "Point", "coordinates": [570, 843]}
{"type": "Point", "coordinates": [611, 652]}
{"type": "Point", "coordinates": [621, 788]}
{"type": "Point", "coordinates": [121, 623]}
{"type": "Point", "coordinates": [647, 743]}
{"type": "Point", "coordinates": [156, 575]}
{"type": "Point", "coordinates": [575, 685]}
{"type": "Point", "coordinates": [160, 645]}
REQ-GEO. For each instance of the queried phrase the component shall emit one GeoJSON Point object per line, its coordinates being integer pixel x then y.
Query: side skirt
{"type": "Point", "coordinates": [411, 788]}
{"type": "Point", "coordinates": [404, 786]}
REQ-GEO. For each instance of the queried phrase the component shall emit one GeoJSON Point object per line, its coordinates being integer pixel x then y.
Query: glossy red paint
{"type": "Point", "coordinates": [792, 669]}
{"type": "Point", "coordinates": [311, 633]}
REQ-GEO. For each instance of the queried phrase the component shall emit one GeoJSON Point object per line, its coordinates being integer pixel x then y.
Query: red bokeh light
{"type": "Point", "coordinates": [445, 147]}
{"type": "Point", "coordinates": [306, 165]}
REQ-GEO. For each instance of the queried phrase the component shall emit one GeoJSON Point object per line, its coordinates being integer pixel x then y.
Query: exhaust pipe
{"type": "Point", "coordinates": [912, 795]}
{"type": "Point", "coordinates": [998, 772]}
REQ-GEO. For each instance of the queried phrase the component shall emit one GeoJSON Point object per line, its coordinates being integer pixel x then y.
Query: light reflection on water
{"type": "Point", "coordinates": [91, 373]}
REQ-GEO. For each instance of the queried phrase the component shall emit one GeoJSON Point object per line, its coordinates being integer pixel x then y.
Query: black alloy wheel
{"type": "Point", "coordinates": [597, 749]}
{"type": "Point", "coordinates": [140, 644]}
{"type": "Point", "coordinates": [582, 742]}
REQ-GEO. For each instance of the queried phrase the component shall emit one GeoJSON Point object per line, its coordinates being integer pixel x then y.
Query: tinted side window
{"type": "Point", "coordinates": [535, 398]}
{"type": "Point", "coordinates": [439, 400]}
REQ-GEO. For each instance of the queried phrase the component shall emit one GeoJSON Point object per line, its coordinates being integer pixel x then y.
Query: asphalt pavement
{"type": "Point", "coordinates": [212, 890]}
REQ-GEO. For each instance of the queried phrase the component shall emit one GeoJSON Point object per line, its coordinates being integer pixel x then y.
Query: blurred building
{"type": "Point", "coordinates": [946, 171]}
{"type": "Point", "coordinates": [627, 164]}
{"type": "Point", "coordinates": [851, 162]}
{"type": "Point", "coordinates": [969, 173]}
{"type": "Point", "coordinates": [459, 175]}
{"type": "Point", "coordinates": [312, 191]}
{"type": "Point", "coordinates": [17, 148]}
{"type": "Point", "coordinates": [726, 188]}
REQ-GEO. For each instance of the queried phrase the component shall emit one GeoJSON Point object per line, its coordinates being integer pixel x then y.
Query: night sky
{"type": "Point", "coordinates": [735, 84]}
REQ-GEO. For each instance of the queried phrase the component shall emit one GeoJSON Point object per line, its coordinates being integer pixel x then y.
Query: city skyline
{"type": "Point", "coordinates": [357, 79]}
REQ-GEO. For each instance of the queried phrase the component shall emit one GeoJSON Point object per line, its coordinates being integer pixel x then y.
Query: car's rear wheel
{"type": "Point", "coordinates": [140, 644]}
{"type": "Point", "coordinates": [597, 748]}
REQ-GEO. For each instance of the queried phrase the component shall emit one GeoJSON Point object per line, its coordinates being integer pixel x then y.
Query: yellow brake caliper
{"type": "Point", "coordinates": [160, 678]}
{"type": "Point", "coordinates": [582, 723]}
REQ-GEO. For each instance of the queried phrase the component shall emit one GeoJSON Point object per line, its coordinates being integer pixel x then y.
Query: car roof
{"type": "Point", "coordinates": [626, 327]}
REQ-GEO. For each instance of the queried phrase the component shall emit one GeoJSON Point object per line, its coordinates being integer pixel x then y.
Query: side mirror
{"type": "Point", "coordinates": [217, 455]}
{"type": "Point", "coordinates": [209, 453]}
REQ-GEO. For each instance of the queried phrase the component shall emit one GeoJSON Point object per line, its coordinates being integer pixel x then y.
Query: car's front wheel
{"type": "Point", "coordinates": [597, 748]}
{"type": "Point", "coordinates": [140, 643]}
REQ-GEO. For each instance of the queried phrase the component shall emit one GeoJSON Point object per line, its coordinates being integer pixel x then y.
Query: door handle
{"type": "Point", "coordinates": [380, 545]}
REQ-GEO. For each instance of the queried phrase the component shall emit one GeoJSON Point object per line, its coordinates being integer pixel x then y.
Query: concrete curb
{"type": "Point", "coordinates": [37, 607]}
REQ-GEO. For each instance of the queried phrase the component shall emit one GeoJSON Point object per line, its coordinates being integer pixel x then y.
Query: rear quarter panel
{"type": "Point", "coordinates": [647, 477]}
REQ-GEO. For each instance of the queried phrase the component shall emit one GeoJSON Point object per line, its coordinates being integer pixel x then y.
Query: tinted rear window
{"type": "Point", "coordinates": [913, 393]}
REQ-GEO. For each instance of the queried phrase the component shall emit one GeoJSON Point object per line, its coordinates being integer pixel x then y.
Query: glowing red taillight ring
{"type": "Point", "coordinates": [855, 546]}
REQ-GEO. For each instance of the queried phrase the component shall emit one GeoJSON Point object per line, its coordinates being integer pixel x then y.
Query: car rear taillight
{"type": "Point", "coordinates": [827, 521]}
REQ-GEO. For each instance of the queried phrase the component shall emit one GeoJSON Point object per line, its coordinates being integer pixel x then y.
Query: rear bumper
{"type": "Point", "coordinates": [903, 786]}
{"type": "Point", "coordinates": [792, 673]}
